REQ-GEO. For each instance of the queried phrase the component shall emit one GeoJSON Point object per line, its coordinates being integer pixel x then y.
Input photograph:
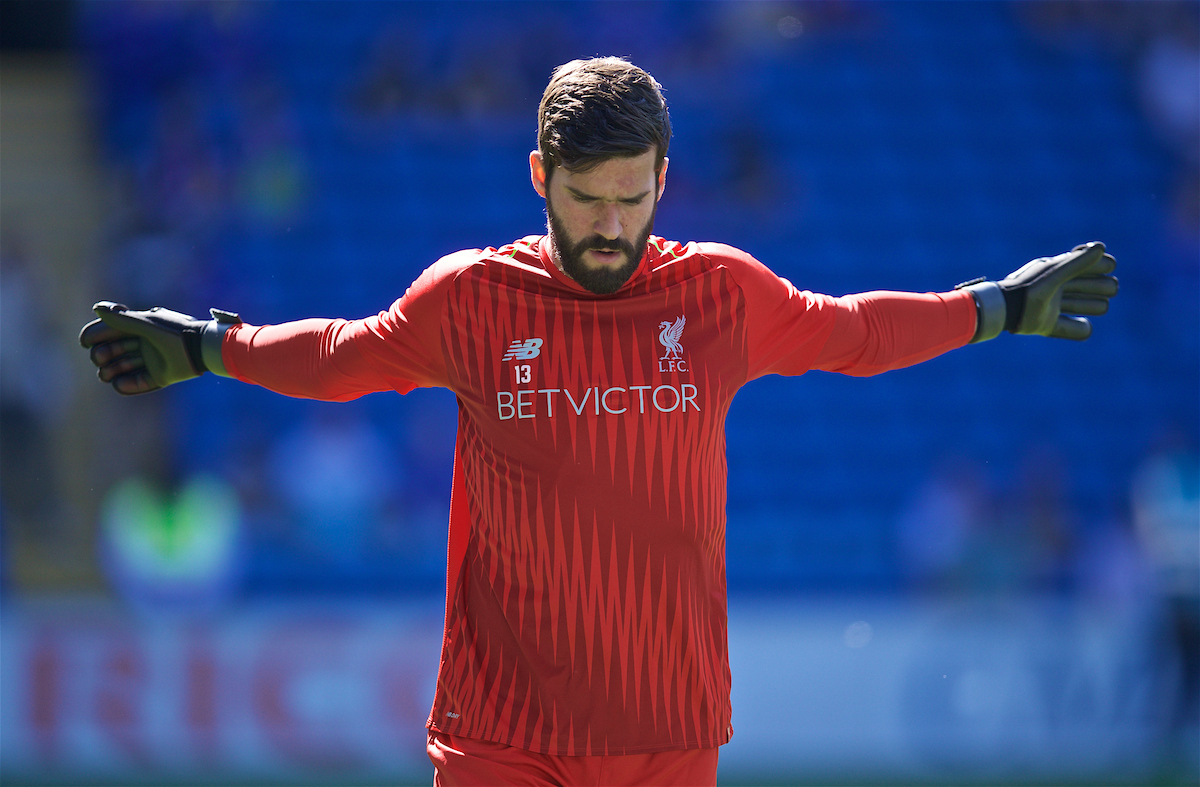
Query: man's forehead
{"type": "Point", "coordinates": [629, 173]}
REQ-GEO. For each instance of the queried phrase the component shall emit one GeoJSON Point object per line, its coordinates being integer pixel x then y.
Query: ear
{"type": "Point", "coordinates": [537, 172]}
{"type": "Point", "coordinates": [662, 177]}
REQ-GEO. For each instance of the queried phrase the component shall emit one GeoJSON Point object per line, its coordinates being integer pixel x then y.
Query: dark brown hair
{"type": "Point", "coordinates": [599, 109]}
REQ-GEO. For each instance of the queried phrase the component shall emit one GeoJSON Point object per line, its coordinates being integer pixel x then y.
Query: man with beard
{"type": "Point", "coordinates": [585, 629]}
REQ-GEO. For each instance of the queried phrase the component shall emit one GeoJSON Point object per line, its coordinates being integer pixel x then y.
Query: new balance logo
{"type": "Point", "coordinates": [523, 350]}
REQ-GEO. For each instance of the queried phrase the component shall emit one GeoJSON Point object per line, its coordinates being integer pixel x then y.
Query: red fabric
{"type": "Point", "coordinates": [463, 762]}
{"type": "Point", "coordinates": [585, 608]}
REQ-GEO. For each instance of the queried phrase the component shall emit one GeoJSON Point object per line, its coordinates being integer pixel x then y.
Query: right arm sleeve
{"type": "Point", "coordinates": [339, 360]}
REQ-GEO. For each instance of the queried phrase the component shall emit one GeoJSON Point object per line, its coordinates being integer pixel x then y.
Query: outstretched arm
{"type": "Point", "coordinates": [1043, 297]}
{"type": "Point", "coordinates": [330, 359]}
{"type": "Point", "coordinates": [793, 331]}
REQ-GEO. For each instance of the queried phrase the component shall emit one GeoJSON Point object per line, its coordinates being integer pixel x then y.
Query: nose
{"type": "Point", "coordinates": [608, 222]}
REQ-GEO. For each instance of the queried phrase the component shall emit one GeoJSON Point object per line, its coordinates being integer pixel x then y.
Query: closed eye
{"type": "Point", "coordinates": [585, 199]}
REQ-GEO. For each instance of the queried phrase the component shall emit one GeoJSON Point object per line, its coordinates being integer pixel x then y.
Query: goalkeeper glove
{"type": "Point", "coordinates": [142, 351]}
{"type": "Point", "coordinates": [1040, 297]}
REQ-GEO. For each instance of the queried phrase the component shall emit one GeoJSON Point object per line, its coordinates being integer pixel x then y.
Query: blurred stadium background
{"type": "Point", "coordinates": [982, 570]}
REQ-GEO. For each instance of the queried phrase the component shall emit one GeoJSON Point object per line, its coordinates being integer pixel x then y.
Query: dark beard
{"type": "Point", "coordinates": [602, 281]}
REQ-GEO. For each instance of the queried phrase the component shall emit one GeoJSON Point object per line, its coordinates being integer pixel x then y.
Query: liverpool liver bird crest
{"type": "Point", "coordinates": [668, 335]}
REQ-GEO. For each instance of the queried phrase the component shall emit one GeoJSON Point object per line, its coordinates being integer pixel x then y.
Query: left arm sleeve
{"type": "Point", "coordinates": [791, 331]}
{"type": "Point", "coordinates": [875, 332]}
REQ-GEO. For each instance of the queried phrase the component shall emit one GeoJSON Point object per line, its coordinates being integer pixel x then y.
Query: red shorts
{"type": "Point", "coordinates": [466, 762]}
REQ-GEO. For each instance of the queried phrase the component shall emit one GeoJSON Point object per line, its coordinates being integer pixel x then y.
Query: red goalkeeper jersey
{"type": "Point", "coordinates": [585, 598]}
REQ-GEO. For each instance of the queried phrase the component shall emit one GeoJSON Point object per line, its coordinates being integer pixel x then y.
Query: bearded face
{"type": "Point", "coordinates": [601, 279]}
{"type": "Point", "coordinates": [600, 219]}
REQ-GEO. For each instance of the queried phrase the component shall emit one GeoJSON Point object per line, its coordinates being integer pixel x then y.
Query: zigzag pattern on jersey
{"type": "Point", "coordinates": [573, 631]}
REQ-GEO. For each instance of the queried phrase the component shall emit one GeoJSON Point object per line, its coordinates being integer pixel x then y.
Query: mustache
{"type": "Point", "coordinates": [598, 243]}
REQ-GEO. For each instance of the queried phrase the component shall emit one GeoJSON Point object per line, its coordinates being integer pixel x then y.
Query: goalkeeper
{"type": "Point", "coordinates": [585, 621]}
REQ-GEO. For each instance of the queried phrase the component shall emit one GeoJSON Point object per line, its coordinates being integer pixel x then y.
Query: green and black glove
{"type": "Point", "coordinates": [1041, 297]}
{"type": "Point", "coordinates": [142, 351]}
